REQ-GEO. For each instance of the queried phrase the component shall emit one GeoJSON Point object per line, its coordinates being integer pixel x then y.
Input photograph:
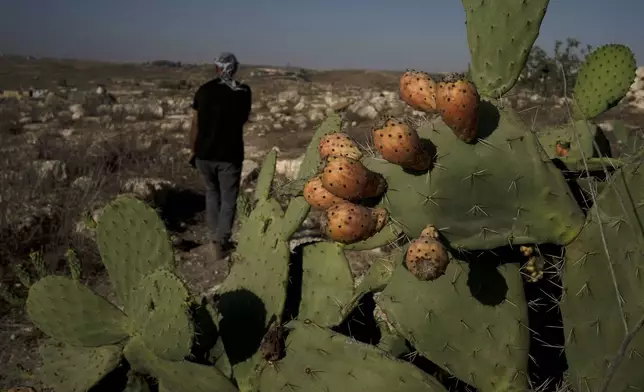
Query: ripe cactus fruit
{"type": "Point", "coordinates": [401, 145]}
{"type": "Point", "coordinates": [320, 359]}
{"type": "Point", "coordinates": [317, 196]}
{"type": "Point", "coordinates": [602, 305]}
{"type": "Point", "coordinates": [574, 141]}
{"type": "Point", "coordinates": [603, 80]}
{"type": "Point", "coordinates": [348, 223]}
{"type": "Point", "coordinates": [458, 103]}
{"type": "Point", "coordinates": [427, 258]}
{"type": "Point", "coordinates": [338, 145]}
{"type": "Point", "coordinates": [418, 90]}
{"type": "Point", "coordinates": [489, 193]}
{"type": "Point", "coordinates": [327, 284]}
{"type": "Point", "coordinates": [500, 34]}
{"type": "Point", "coordinates": [76, 369]}
{"type": "Point", "coordinates": [464, 323]}
{"type": "Point", "coordinates": [351, 180]}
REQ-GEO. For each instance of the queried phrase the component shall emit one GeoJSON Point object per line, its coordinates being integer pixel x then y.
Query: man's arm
{"type": "Point", "coordinates": [248, 103]}
{"type": "Point", "coordinates": [194, 129]}
{"type": "Point", "coordinates": [194, 124]}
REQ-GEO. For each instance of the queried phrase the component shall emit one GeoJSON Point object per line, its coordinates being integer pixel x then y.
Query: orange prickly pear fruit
{"type": "Point", "coordinates": [458, 103]}
{"type": "Point", "coordinates": [427, 258]}
{"type": "Point", "coordinates": [418, 90]}
{"type": "Point", "coordinates": [348, 223]}
{"type": "Point", "coordinates": [351, 180]}
{"type": "Point", "coordinates": [338, 144]}
{"type": "Point", "coordinates": [562, 149]}
{"type": "Point", "coordinates": [317, 196]}
{"type": "Point", "coordinates": [401, 145]}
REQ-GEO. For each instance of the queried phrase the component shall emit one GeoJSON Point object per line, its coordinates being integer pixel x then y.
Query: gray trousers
{"type": "Point", "coordinates": [222, 180]}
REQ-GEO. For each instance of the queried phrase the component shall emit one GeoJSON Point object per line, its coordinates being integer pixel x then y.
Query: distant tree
{"type": "Point", "coordinates": [543, 73]}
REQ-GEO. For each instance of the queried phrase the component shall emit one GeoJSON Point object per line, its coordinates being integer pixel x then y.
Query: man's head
{"type": "Point", "coordinates": [227, 65]}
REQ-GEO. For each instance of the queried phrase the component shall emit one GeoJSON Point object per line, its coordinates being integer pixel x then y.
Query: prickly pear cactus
{"type": "Point", "coordinates": [90, 331]}
{"type": "Point", "coordinates": [318, 359]}
{"type": "Point", "coordinates": [496, 192]}
{"type": "Point", "coordinates": [500, 34]}
{"type": "Point", "coordinates": [327, 284]}
{"type": "Point", "coordinates": [601, 306]}
{"type": "Point", "coordinates": [69, 368]}
{"type": "Point", "coordinates": [473, 321]}
{"type": "Point", "coordinates": [603, 80]}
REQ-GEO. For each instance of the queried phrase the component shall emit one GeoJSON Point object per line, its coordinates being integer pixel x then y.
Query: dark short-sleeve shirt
{"type": "Point", "coordinates": [222, 113]}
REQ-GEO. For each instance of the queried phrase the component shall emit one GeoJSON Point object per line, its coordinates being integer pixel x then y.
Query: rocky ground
{"type": "Point", "coordinates": [74, 134]}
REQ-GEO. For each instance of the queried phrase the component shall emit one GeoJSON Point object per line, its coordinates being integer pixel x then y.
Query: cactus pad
{"type": "Point", "coordinates": [472, 321]}
{"type": "Point", "coordinates": [603, 80]}
{"type": "Point", "coordinates": [319, 359]}
{"type": "Point", "coordinates": [312, 161]}
{"type": "Point", "coordinates": [133, 242]}
{"type": "Point", "coordinates": [76, 369]}
{"type": "Point", "coordinates": [177, 376]}
{"type": "Point", "coordinates": [561, 142]}
{"type": "Point", "coordinates": [136, 383]}
{"type": "Point", "coordinates": [295, 214]}
{"type": "Point", "coordinates": [602, 304]}
{"type": "Point", "coordinates": [484, 195]}
{"type": "Point", "coordinates": [254, 293]}
{"type": "Point", "coordinates": [265, 178]}
{"type": "Point", "coordinates": [385, 236]}
{"type": "Point", "coordinates": [72, 313]}
{"type": "Point", "coordinates": [162, 316]}
{"type": "Point", "coordinates": [327, 284]}
{"type": "Point", "coordinates": [500, 34]}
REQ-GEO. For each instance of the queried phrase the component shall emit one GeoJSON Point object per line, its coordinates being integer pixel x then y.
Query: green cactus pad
{"type": "Point", "coordinates": [133, 242]}
{"type": "Point", "coordinates": [602, 303]}
{"type": "Point", "coordinates": [72, 313]}
{"type": "Point", "coordinates": [162, 316]}
{"type": "Point", "coordinates": [136, 383]}
{"type": "Point", "coordinates": [578, 146]}
{"type": "Point", "coordinates": [500, 34]}
{"type": "Point", "coordinates": [385, 236]}
{"type": "Point", "coordinates": [603, 80]}
{"type": "Point", "coordinates": [312, 161]}
{"type": "Point", "coordinates": [484, 195]}
{"type": "Point", "coordinates": [295, 214]}
{"type": "Point", "coordinates": [481, 337]}
{"type": "Point", "coordinates": [266, 175]}
{"type": "Point", "coordinates": [219, 358]}
{"type": "Point", "coordinates": [255, 290]}
{"type": "Point", "coordinates": [318, 359]}
{"type": "Point", "coordinates": [327, 284]}
{"type": "Point", "coordinates": [76, 369]}
{"type": "Point", "coordinates": [376, 278]}
{"type": "Point", "coordinates": [177, 376]}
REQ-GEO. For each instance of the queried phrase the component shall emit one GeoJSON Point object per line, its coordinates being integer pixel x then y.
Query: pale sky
{"type": "Point", "coordinates": [373, 34]}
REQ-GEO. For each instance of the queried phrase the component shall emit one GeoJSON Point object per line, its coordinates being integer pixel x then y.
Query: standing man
{"type": "Point", "coordinates": [220, 109]}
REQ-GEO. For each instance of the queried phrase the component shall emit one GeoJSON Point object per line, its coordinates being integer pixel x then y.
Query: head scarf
{"type": "Point", "coordinates": [228, 65]}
